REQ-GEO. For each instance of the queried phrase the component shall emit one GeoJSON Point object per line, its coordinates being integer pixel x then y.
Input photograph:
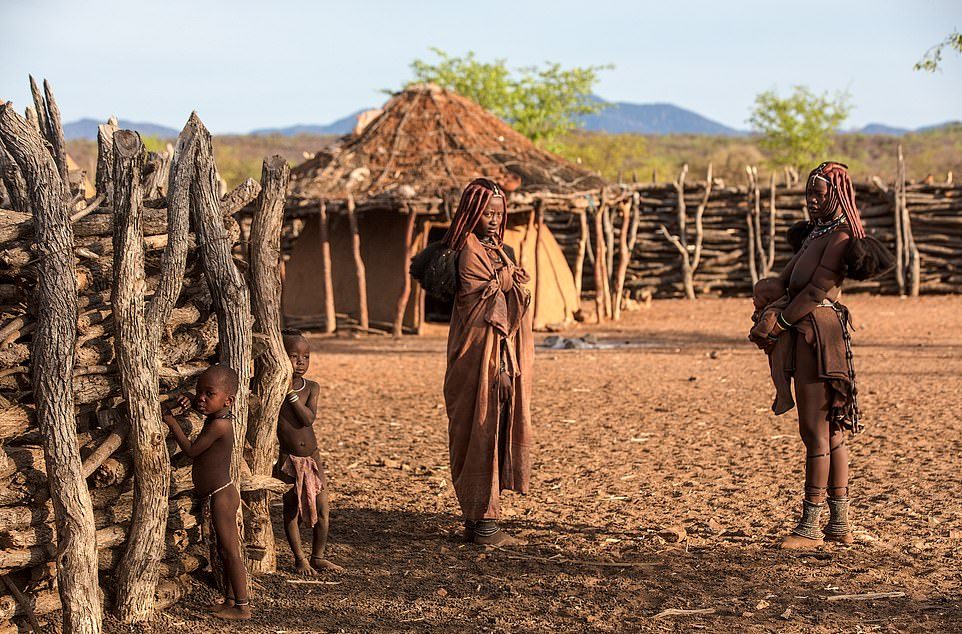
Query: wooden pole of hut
{"type": "Point", "coordinates": [272, 368]}
{"type": "Point", "coordinates": [402, 302]}
{"type": "Point", "coordinates": [52, 364]}
{"type": "Point", "coordinates": [327, 279]}
{"type": "Point", "coordinates": [359, 267]}
{"type": "Point", "coordinates": [582, 249]}
{"type": "Point", "coordinates": [538, 223]}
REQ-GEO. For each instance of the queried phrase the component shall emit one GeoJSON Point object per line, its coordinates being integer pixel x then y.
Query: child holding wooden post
{"type": "Point", "coordinates": [213, 486]}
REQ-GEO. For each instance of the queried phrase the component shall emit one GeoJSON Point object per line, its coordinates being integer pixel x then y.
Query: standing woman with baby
{"type": "Point", "coordinates": [805, 330]}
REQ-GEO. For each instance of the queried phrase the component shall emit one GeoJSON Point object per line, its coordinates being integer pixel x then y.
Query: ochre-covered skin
{"type": "Point", "coordinates": [809, 340]}
{"type": "Point", "coordinates": [815, 273]}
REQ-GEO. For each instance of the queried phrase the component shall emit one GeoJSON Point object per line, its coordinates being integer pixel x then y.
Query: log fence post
{"type": "Point", "coordinates": [327, 279]}
{"type": "Point", "coordinates": [272, 368]}
{"type": "Point", "coordinates": [52, 364]}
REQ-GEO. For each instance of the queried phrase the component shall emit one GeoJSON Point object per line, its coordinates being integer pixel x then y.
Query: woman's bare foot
{"type": "Point", "coordinates": [324, 565]}
{"type": "Point", "coordinates": [303, 568]}
{"type": "Point", "coordinates": [797, 542]}
{"type": "Point", "coordinates": [217, 607]}
{"type": "Point", "coordinates": [235, 613]}
{"type": "Point", "coordinates": [846, 539]}
{"type": "Point", "coordinates": [499, 538]}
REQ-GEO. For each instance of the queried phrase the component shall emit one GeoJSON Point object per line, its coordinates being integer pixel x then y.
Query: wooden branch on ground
{"type": "Point", "coordinates": [52, 364]}
{"type": "Point", "coordinates": [272, 369]}
{"type": "Point", "coordinates": [865, 596]}
{"type": "Point", "coordinates": [680, 612]}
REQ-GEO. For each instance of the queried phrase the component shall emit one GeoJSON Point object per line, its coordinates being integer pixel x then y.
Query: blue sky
{"type": "Point", "coordinates": [245, 64]}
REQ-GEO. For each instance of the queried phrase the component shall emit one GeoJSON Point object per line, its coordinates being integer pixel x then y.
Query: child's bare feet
{"type": "Point", "coordinates": [303, 568]}
{"type": "Point", "coordinates": [324, 565]}
{"type": "Point", "coordinates": [235, 613]}
{"type": "Point", "coordinates": [217, 607]}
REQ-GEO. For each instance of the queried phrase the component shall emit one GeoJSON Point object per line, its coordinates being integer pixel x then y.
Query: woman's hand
{"type": "Point", "coordinates": [521, 276]}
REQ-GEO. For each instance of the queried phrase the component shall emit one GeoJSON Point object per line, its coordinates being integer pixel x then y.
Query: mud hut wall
{"type": "Point", "coordinates": [382, 248]}
{"type": "Point", "coordinates": [935, 211]}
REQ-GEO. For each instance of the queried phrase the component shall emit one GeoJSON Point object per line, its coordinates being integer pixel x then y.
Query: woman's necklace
{"type": "Point", "coordinates": [823, 229]}
{"type": "Point", "coordinates": [303, 385]}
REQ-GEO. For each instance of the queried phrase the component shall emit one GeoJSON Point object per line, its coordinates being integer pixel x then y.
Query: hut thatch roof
{"type": "Point", "coordinates": [427, 144]}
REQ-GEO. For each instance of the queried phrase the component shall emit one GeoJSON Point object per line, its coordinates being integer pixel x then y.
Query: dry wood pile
{"type": "Point", "coordinates": [742, 236]}
{"type": "Point", "coordinates": [128, 225]}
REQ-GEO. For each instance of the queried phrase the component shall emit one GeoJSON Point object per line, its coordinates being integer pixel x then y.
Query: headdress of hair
{"type": "Point", "coordinates": [840, 192]}
{"type": "Point", "coordinates": [474, 200]}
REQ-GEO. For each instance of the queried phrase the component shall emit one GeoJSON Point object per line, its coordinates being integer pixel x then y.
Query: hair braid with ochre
{"type": "Point", "coordinates": [840, 192]}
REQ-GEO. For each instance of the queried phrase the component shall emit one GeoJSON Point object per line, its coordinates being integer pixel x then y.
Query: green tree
{"type": "Point", "coordinates": [542, 103]}
{"type": "Point", "coordinates": [798, 129]}
{"type": "Point", "coordinates": [933, 57]}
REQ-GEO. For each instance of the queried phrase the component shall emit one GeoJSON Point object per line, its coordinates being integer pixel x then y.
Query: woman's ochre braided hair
{"type": "Point", "coordinates": [840, 192]}
{"type": "Point", "coordinates": [474, 199]}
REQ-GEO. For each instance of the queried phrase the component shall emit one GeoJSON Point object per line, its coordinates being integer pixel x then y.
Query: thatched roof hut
{"type": "Point", "coordinates": [388, 190]}
{"type": "Point", "coordinates": [424, 147]}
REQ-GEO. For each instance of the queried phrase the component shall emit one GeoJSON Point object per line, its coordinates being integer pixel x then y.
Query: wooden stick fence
{"type": "Point", "coordinates": [741, 237]}
{"type": "Point", "coordinates": [83, 460]}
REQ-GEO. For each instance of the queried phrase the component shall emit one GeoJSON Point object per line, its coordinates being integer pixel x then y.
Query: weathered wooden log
{"type": "Point", "coordinates": [56, 301]}
{"type": "Point", "coordinates": [14, 184]}
{"type": "Point", "coordinates": [104, 179]}
{"type": "Point", "coordinates": [113, 471]}
{"type": "Point", "coordinates": [136, 577]}
{"type": "Point", "coordinates": [272, 368]}
{"type": "Point", "coordinates": [228, 289]}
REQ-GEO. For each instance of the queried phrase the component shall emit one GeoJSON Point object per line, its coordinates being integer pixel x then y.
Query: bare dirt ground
{"type": "Point", "coordinates": [673, 431]}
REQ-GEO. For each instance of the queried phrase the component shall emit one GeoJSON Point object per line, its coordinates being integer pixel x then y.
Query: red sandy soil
{"type": "Point", "coordinates": [675, 431]}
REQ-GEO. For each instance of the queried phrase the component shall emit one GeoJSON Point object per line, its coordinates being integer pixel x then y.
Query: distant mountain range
{"type": "Point", "coordinates": [87, 129]}
{"type": "Point", "coordinates": [617, 118]}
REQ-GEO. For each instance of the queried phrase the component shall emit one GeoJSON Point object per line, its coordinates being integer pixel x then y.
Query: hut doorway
{"type": "Point", "coordinates": [437, 310]}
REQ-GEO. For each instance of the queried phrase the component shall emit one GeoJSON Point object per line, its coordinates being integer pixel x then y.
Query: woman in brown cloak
{"type": "Point", "coordinates": [806, 333]}
{"type": "Point", "coordinates": [487, 386]}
